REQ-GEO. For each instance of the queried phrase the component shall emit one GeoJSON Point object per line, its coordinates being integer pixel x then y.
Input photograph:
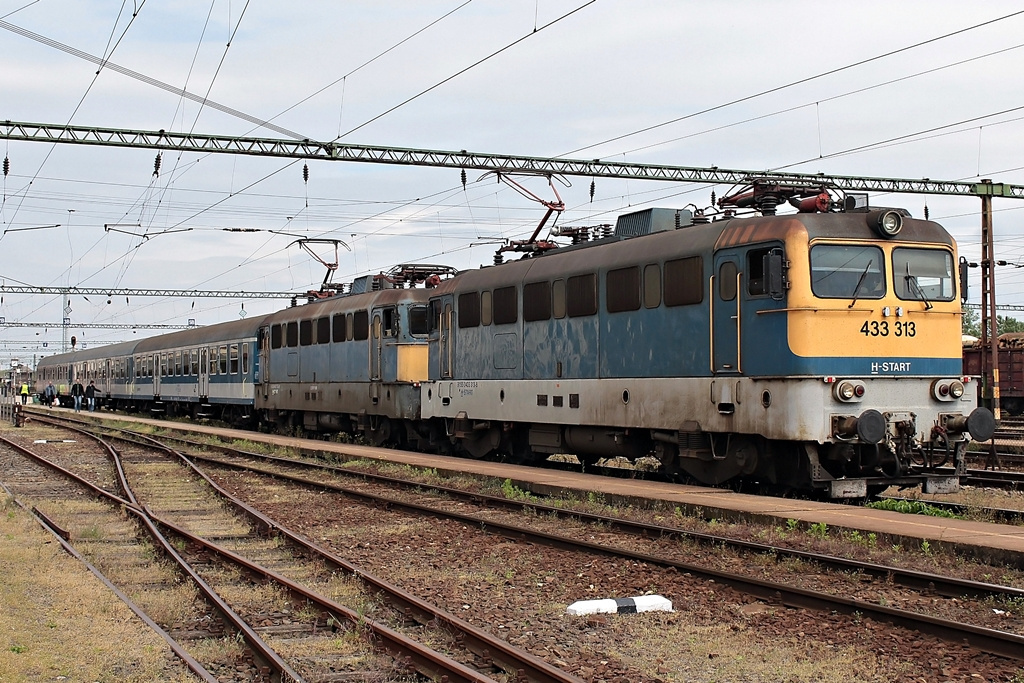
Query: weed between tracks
{"type": "Point", "coordinates": [57, 619]}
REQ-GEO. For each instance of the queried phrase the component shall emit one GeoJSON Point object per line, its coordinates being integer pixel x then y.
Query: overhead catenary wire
{"type": "Point", "coordinates": [791, 84]}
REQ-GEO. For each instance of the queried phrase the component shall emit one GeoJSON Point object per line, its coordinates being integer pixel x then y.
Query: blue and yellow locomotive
{"type": "Point", "coordinates": [817, 350]}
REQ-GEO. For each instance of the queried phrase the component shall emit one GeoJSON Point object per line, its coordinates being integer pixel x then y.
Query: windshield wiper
{"type": "Point", "coordinates": [913, 285]}
{"type": "Point", "coordinates": [860, 281]}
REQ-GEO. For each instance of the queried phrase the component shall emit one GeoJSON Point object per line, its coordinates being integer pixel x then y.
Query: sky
{"type": "Point", "coordinates": [909, 90]}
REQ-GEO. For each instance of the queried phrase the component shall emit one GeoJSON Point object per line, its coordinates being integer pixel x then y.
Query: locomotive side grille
{"type": "Point", "coordinates": [694, 441]}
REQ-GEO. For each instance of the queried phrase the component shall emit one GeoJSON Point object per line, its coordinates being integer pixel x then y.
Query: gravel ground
{"type": "Point", "coordinates": [521, 591]}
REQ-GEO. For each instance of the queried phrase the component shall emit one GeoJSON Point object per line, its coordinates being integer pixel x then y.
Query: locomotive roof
{"type": "Point", "coordinates": [350, 302]}
{"type": "Point", "coordinates": [704, 238]}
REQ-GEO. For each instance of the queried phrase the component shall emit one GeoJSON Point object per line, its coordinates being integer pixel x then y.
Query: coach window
{"type": "Point", "coordinates": [652, 285]}
{"type": "Point", "coordinates": [177, 363]}
{"type": "Point", "coordinates": [306, 332]}
{"type": "Point", "coordinates": [847, 271]}
{"type": "Point", "coordinates": [558, 299]}
{"type": "Point", "coordinates": [581, 295]}
{"type": "Point", "coordinates": [234, 359]}
{"type": "Point", "coordinates": [213, 360]}
{"type": "Point", "coordinates": [138, 367]}
{"type": "Point", "coordinates": [506, 305]}
{"type": "Point", "coordinates": [195, 361]}
{"type": "Point", "coordinates": [360, 326]}
{"type": "Point", "coordinates": [323, 330]}
{"type": "Point", "coordinates": [338, 328]}
{"type": "Point", "coordinates": [291, 334]}
{"type": "Point", "coordinates": [536, 301]}
{"type": "Point", "coordinates": [276, 336]}
{"type": "Point", "coordinates": [223, 353]}
{"type": "Point", "coordinates": [419, 324]}
{"type": "Point", "coordinates": [469, 309]}
{"type": "Point", "coordinates": [245, 358]}
{"type": "Point", "coordinates": [622, 290]}
{"type": "Point", "coordinates": [923, 274]}
{"type": "Point", "coordinates": [684, 281]}
{"type": "Point", "coordinates": [163, 364]}
{"type": "Point", "coordinates": [486, 308]}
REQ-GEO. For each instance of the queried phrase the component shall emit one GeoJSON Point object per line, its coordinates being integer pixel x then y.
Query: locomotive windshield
{"type": "Point", "coordinates": [847, 271]}
{"type": "Point", "coordinates": [923, 274]}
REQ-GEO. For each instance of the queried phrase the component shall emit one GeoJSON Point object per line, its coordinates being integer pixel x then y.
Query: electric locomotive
{"type": "Point", "coordinates": [816, 351]}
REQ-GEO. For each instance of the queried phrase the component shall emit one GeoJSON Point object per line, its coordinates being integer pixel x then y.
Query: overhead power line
{"type": "Point", "coordinates": [101, 326]}
{"type": "Point", "coordinates": [501, 163]}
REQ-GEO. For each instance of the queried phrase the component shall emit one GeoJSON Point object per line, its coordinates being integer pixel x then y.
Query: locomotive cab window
{"type": "Point", "coordinates": [758, 275]}
{"type": "Point", "coordinates": [338, 327]}
{"type": "Point", "coordinates": [419, 325]}
{"type": "Point", "coordinates": [305, 332]}
{"type": "Point", "coordinates": [923, 274]}
{"type": "Point", "coordinates": [292, 334]}
{"type": "Point", "coordinates": [847, 271]}
{"type": "Point", "coordinates": [276, 336]}
{"type": "Point", "coordinates": [323, 330]}
{"type": "Point", "coordinates": [389, 316]}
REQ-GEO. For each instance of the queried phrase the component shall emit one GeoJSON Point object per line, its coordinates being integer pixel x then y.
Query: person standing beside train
{"type": "Point", "coordinates": [49, 394]}
{"type": "Point", "coordinates": [77, 392]}
{"type": "Point", "coordinates": [24, 393]}
{"type": "Point", "coordinates": [90, 396]}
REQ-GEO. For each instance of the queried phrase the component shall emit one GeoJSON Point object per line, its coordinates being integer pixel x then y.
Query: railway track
{"type": "Point", "coordinates": [989, 640]}
{"type": "Point", "coordinates": [412, 656]}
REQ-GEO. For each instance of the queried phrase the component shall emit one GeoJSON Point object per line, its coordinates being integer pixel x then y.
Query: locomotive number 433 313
{"type": "Point", "coordinates": [882, 328]}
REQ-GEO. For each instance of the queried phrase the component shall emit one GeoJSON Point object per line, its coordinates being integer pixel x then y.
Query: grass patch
{"type": "Point", "coordinates": [912, 507]}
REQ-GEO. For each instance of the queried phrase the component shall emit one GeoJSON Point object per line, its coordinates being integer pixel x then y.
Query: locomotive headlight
{"type": "Point", "coordinates": [947, 389]}
{"type": "Point", "coordinates": [848, 391]}
{"type": "Point", "coordinates": [887, 223]}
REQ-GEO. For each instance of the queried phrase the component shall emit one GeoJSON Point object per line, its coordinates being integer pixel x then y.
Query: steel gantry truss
{"type": "Point", "coordinates": [180, 293]}
{"type": "Point", "coordinates": [502, 163]}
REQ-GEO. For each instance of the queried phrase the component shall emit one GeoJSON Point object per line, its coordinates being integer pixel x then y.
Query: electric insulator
{"type": "Point", "coordinates": [593, 184]}
{"type": "Point", "coordinates": [305, 173]}
{"type": "Point", "coordinates": [712, 197]}
{"type": "Point", "coordinates": [156, 165]}
{"type": "Point", "coordinates": [7, 166]}
{"type": "Point", "coordinates": [499, 258]}
{"type": "Point", "coordinates": [926, 212]}
{"type": "Point", "coordinates": [463, 179]}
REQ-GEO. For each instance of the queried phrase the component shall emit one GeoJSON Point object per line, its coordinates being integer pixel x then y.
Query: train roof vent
{"type": "Point", "coordinates": [652, 220]}
{"type": "Point", "coordinates": [360, 285]}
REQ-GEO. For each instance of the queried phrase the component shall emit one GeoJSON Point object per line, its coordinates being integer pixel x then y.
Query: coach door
{"type": "Point", "coordinates": [263, 374]}
{"type": "Point", "coordinates": [376, 346]}
{"type": "Point", "coordinates": [204, 373]}
{"type": "Point", "coordinates": [446, 348]}
{"type": "Point", "coordinates": [725, 313]}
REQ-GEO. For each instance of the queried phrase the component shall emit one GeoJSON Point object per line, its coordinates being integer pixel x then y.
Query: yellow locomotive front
{"type": "Point", "coordinates": [873, 315]}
